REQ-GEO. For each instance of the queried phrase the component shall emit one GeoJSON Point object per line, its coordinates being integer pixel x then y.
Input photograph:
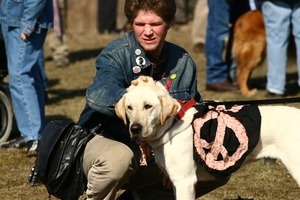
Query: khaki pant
{"type": "Point", "coordinates": [109, 166]}
{"type": "Point", "coordinates": [199, 22]}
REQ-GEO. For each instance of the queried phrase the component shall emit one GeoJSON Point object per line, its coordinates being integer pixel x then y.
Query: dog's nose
{"type": "Point", "coordinates": [135, 128]}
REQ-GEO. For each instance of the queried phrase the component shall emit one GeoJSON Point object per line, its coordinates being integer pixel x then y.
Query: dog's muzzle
{"type": "Point", "coordinates": [136, 128]}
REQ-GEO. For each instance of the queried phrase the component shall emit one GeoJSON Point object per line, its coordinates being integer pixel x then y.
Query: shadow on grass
{"type": "Point", "coordinates": [80, 55]}
{"type": "Point", "coordinates": [62, 94]}
{"type": "Point", "coordinates": [292, 87]}
{"type": "Point", "coordinates": [84, 54]}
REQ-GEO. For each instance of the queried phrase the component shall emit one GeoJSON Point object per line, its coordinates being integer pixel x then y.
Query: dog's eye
{"type": "Point", "coordinates": [129, 107]}
{"type": "Point", "coordinates": [147, 106]}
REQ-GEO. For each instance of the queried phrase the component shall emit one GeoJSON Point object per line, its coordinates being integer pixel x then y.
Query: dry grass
{"type": "Point", "coordinates": [67, 100]}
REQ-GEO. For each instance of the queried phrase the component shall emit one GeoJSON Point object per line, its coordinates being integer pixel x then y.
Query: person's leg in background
{"type": "Point", "coordinates": [3, 60]}
{"type": "Point", "coordinates": [44, 76]}
{"type": "Point", "coordinates": [278, 32]}
{"type": "Point", "coordinates": [56, 38]}
{"type": "Point", "coordinates": [199, 26]}
{"type": "Point", "coordinates": [217, 70]}
{"type": "Point", "coordinates": [296, 33]}
{"type": "Point", "coordinates": [26, 83]}
{"type": "Point", "coordinates": [43, 70]}
{"type": "Point", "coordinates": [181, 16]}
{"type": "Point", "coordinates": [107, 16]}
{"type": "Point", "coordinates": [59, 49]}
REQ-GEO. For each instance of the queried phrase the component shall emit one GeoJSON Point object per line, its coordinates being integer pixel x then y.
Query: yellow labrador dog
{"type": "Point", "coordinates": [151, 114]}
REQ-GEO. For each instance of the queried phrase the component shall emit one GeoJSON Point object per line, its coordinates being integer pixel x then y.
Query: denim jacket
{"type": "Point", "coordinates": [286, 3]}
{"type": "Point", "coordinates": [122, 61]}
{"type": "Point", "coordinates": [28, 15]}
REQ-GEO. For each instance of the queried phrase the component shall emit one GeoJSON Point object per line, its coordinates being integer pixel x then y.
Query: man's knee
{"type": "Point", "coordinates": [106, 164]}
{"type": "Point", "coordinates": [107, 156]}
{"type": "Point", "coordinates": [121, 162]}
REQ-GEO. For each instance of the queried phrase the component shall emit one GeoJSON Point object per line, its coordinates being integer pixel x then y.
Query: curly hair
{"type": "Point", "coordinates": [166, 9]}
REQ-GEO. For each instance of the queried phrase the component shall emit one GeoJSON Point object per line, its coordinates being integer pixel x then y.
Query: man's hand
{"type": "Point", "coordinates": [24, 37]}
{"type": "Point", "coordinates": [140, 78]}
{"type": "Point", "coordinates": [141, 81]}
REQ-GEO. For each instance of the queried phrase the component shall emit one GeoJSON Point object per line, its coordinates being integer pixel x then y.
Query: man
{"type": "Point", "coordinates": [219, 73]}
{"type": "Point", "coordinates": [24, 27]}
{"type": "Point", "coordinates": [111, 159]}
{"type": "Point", "coordinates": [279, 30]}
{"type": "Point", "coordinates": [198, 33]}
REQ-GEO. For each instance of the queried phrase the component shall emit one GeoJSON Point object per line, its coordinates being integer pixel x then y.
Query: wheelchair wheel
{"type": "Point", "coordinates": [6, 117]}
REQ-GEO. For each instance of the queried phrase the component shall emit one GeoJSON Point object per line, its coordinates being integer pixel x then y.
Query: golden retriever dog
{"type": "Point", "coordinates": [248, 48]}
{"type": "Point", "coordinates": [151, 114]}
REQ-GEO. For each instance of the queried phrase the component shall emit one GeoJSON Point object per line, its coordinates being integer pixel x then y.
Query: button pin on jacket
{"type": "Point", "coordinates": [140, 61]}
{"type": "Point", "coordinates": [137, 52]}
{"type": "Point", "coordinates": [136, 69]}
{"type": "Point", "coordinates": [173, 76]}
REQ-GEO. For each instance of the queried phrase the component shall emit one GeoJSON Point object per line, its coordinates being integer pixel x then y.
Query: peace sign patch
{"type": "Point", "coordinates": [224, 136]}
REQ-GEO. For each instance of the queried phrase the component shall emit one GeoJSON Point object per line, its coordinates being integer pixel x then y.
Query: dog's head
{"type": "Point", "coordinates": [147, 106]}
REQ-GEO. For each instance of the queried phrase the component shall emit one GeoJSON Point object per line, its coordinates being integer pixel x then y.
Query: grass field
{"type": "Point", "coordinates": [67, 98]}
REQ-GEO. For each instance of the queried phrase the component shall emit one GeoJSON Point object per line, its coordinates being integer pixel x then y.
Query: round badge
{"type": "Point", "coordinates": [173, 76]}
{"type": "Point", "coordinates": [138, 52]}
{"type": "Point", "coordinates": [140, 61]}
{"type": "Point", "coordinates": [136, 69]}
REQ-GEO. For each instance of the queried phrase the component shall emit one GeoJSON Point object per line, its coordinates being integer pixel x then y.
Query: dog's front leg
{"type": "Point", "coordinates": [176, 158]}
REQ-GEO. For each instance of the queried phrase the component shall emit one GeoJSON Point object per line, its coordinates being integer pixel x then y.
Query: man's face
{"type": "Point", "coordinates": [150, 31]}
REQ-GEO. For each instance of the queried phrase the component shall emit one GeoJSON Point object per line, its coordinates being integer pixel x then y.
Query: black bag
{"type": "Point", "coordinates": [59, 161]}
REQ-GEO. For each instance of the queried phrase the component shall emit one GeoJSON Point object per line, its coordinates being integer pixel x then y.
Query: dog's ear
{"type": "Point", "coordinates": [169, 108]}
{"type": "Point", "coordinates": [120, 109]}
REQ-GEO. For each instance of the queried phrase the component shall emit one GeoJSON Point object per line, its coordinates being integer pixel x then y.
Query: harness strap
{"type": "Point", "coordinates": [253, 102]}
{"type": "Point", "coordinates": [184, 107]}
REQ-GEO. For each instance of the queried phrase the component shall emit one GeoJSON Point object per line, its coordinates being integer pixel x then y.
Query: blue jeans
{"type": "Point", "coordinates": [43, 71]}
{"type": "Point", "coordinates": [279, 22]}
{"type": "Point", "coordinates": [25, 80]}
{"type": "Point", "coordinates": [217, 69]}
